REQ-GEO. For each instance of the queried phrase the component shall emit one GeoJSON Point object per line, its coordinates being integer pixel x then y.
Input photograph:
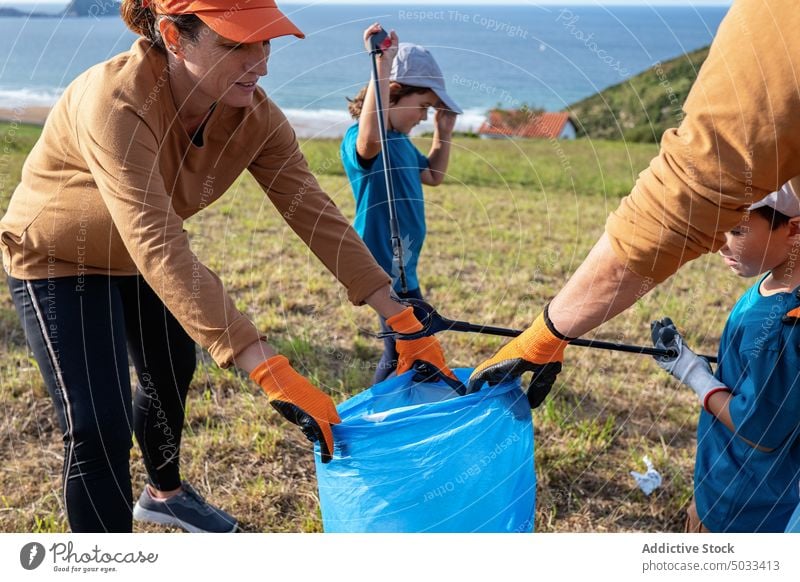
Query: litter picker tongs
{"type": "Point", "coordinates": [378, 42]}
{"type": "Point", "coordinates": [433, 322]}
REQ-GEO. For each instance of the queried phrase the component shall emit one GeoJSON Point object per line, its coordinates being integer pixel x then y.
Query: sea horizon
{"type": "Point", "coordinates": [541, 56]}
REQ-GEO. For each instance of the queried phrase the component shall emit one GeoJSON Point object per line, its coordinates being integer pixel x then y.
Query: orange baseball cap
{"type": "Point", "coordinates": [237, 20]}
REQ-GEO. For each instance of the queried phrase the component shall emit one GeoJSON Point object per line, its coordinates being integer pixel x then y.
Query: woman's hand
{"type": "Point", "coordinates": [299, 401]}
{"type": "Point", "coordinates": [425, 349]}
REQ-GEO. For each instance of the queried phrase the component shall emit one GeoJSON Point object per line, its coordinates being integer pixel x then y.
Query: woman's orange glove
{"type": "Point", "coordinates": [298, 401]}
{"type": "Point", "coordinates": [425, 349]}
{"type": "Point", "coordinates": [539, 349]}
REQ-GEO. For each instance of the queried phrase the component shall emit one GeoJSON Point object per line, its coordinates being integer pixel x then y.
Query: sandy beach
{"type": "Point", "coordinates": [34, 115]}
{"type": "Point", "coordinates": [305, 128]}
{"type": "Point", "coordinates": [307, 125]}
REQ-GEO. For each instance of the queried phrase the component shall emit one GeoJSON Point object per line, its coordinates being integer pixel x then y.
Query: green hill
{"type": "Point", "coordinates": [644, 106]}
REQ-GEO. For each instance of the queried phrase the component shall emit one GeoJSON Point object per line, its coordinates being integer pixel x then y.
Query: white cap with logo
{"type": "Point", "coordinates": [783, 200]}
{"type": "Point", "coordinates": [415, 66]}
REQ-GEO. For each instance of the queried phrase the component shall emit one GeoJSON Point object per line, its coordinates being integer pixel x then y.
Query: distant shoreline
{"type": "Point", "coordinates": [32, 115]}
{"type": "Point", "coordinates": [37, 115]}
{"type": "Point", "coordinates": [305, 126]}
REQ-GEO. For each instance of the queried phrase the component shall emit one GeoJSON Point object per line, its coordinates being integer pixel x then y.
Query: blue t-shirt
{"type": "Point", "coordinates": [794, 522]}
{"type": "Point", "coordinates": [372, 208]}
{"type": "Point", "coordinates": [737, 487]}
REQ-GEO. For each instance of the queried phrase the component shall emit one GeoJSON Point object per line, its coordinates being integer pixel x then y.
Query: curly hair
{"type": "Point", "coordinates": [396, 92]}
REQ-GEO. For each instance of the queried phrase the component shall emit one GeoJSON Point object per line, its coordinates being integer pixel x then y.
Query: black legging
{"type": "Point", "coordinates": [388, 362]}
{"type": "Point", "coordinates": [77, 328]}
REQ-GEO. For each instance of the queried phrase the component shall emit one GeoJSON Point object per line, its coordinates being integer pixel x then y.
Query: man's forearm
{"type": "Point", "coordinates": [599, 290]}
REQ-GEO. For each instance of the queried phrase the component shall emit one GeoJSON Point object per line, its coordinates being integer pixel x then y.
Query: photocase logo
{"type": "Point", "coordinates": [31, 555]}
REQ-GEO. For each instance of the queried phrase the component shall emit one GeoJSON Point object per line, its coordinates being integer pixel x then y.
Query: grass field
{"type": "Point", "coordinates": [510, 224]}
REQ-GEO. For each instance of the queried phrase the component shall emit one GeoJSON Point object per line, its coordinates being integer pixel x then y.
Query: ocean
{"type": "Point", "coordinates": [541, 56]}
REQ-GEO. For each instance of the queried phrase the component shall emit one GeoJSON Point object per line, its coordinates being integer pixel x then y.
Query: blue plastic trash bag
{"type": "Point", "coordinates": [416, 457]}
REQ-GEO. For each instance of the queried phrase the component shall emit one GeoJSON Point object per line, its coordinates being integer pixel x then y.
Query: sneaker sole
{"type": "Point", "coordinates": [142, 514]}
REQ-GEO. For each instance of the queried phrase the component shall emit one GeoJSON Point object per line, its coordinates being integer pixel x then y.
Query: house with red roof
{"type": "Point", "coordinates": [527, 123]}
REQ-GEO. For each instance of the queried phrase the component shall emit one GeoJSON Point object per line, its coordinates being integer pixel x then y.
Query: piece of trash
{"type": "Point", "coordinates": [649, 481]}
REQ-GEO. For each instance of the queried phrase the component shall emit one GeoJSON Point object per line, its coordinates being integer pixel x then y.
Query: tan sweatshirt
{"type": "Point", "coordinates": [739, 141]}
{"type": "Point", "coordinates": [114, 174]}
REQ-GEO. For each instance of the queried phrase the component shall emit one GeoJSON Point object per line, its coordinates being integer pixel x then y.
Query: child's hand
{"type": "Point", "coordinates": [445, 122]}
{"type": "Point", "coordinates": [689, 368]}
{"type": "Point", "coordinates": [390, 52]}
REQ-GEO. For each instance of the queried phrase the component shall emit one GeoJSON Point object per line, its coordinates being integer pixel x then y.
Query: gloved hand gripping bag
{"type": "Point", "coordinates": [416, 457]}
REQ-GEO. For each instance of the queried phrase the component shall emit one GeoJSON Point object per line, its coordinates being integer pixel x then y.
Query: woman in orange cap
{"type": "Point", "coordinates": [100, 267]}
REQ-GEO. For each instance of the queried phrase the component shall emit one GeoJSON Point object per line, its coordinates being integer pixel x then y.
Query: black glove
{"type": "Point", "coordinates": [544, 376]}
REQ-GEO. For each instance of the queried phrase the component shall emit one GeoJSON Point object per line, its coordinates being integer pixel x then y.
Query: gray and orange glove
{"type": "Point", "coordinates": [539, 349]}
{"type": "Point", "coordinates": [687, 367]}
{"type": "Point", "coordinates": [298, 401]}
{"type": "Point", "coordinates": [424, 349]}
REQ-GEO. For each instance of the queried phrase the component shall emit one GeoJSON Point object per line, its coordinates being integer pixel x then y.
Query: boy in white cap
{"type": "Point", "coordinates": [748, 436]}
{"type": "Point", "coordinates": [411, 83]}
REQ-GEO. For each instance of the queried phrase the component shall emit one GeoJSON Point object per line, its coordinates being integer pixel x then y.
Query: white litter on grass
{"type": "Point", "coordinates": [649, 481]}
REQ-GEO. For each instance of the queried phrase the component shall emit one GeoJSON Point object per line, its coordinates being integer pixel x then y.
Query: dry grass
{"type": "Point", "coordinates": [496, 251]}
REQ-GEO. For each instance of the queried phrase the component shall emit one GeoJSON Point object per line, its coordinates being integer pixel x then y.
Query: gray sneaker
{"type": "Point", "coordinates": [187, 510]}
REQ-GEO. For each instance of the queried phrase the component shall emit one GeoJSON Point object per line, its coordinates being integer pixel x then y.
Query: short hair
{"type": "Point", "coordinates": [776, 219]}
{"type": "Point", "coordinates": [396, 92]}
